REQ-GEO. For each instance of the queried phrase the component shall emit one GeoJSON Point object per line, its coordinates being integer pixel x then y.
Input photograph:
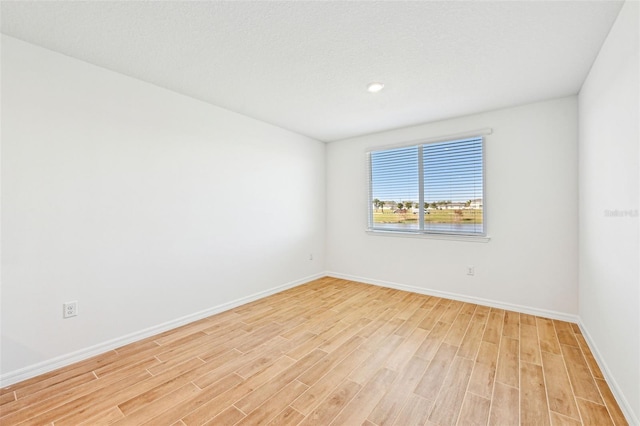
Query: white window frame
{"type": "Point", "coordinates": [426, 233]}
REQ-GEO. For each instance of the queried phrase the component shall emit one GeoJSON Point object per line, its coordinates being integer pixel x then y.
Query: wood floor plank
{"type": "Point", "coordinates": [593, 414]}
{"type": "Point", "coordinates": [62, 377]}
{"type": "Point", "coordinates": [259, 337]}
{"type": "Point", "coordinates": [230, 416]}
{"type": "Point", "coordinates": [411, 303]}
{"type": "Point", "coordinates": [475, 410]}
{"type": "Point", "coordinates": [187, 347]}
{"type": "Point", "coordinates": [508, 362]}
{"type": "Point", "coordinates": [588, 356]}
{"type": "Point", "coordinates": [31, 406]}
{"type": "Point", "coordinates": [383, 334]}
{"type": "Point", "coordinates": [493, 330]}
{"type": "Point", "coordinates": [389, 407]}
{"type": "Point", "coordinates": [533, 398]}
{"type": "Point", "coordinates": [316, 341]}
{"type": "Point", "coordinates": [412, 322]}
{"type": "Point", "coordinates": [529, 346]}
{"type": "Point", "coordinates": [459, 327]}
{"type": "Point", "coordinates": [140, 347]}
{"type": "Point", "coordinates": [346, 334]}
{"type": "Point", "coordinates": [436, 372]}
{"type": "Point", "coordinates": [484, 370]}
{"type": "Point", "coordinates": [264, 392]}
{"type": "Point", "coordinates": [333, 404]}
{"type": "Point", "coordinates": [429, 302]}
{"type": "Point", "coordinates": [547, 336]}
{"type": "Point", "coordinates": [320, 322]}
{"type": "Point", "coordinates": [251, 361]}
{"type": "Point", "coordinates": [317, 371]}
{"type": "Point", "coordinates": [157, 386]}
{"type": "Point", "coordinates": [58, 388]}
{"type": "Point", "coordinates": [150, 410]}
{"type": "Point", "coordinates": [274, 404]}
{"type": "Point", "coordinates": [221, 327]}
{"type": "Point", "coordinates": [527, 319]}
{"type": "Point", "coordinates": [319, 391]}
{"type": "Point", "coordinates": [186, 330]}
{"type": "Point", "coordinates": [107, 417]}
{"type": "Point", "coordinates": [7, 397]}
{"type": "Point", "coordinates": [187, 356]}
{"type": "Point", "coordinates": [405, 351]}
{"type": "Point", "coordinates": [337, 352]}
{"type": "Point", "coordinates": [452, 393]}
{"type": "Point", "coordinates": [504, 406]}
{"type": "Point", "coordinates": [354, 299]}
{"type": "Point", "coordinates": [232, 363]}
{"type": "Point", "coordinates": [434, 315]}
{"type": "Point", "coordinates": [287, 417]}
{"type": "Point", "coordinates": [482, 311]}
{"type": "Point", "coordinates": [560, 395]}
{"type": "Point", "coordinates": [430, 345]}
{"type": "Point", "coordinates": [511, 326]}
{"type": "Point", "coordinates": [565, 333]}
{"type": "Point", "coordinates": [560, 420]}
{"type": "Point", "coordinates": [246, 369]}
{"type": "Point", "coordinates": [583, 383]}
{"type": "Point", "coordinates": [612, 405]}
{"type": "Point", "coordinates": [367, 369]}
{"type": "Point", "coordinates": [84, 405]}
{"type": "Point", "coordinates": [357, 410]}
{"type": "Point", "coordinates": [472, 338]}
{"type": "Point", "coordinates": [200, 409]}
{"type": "Point", "coordinates": [126, 358]}
{"type": "Point", "coordinates": [190, 405]}
{"type": "Point", "coordinates": [377, 309]}
{"type": "Point", "coordinates": [451, 312]}
{"type": "Point", "coordinates": [415, 412]}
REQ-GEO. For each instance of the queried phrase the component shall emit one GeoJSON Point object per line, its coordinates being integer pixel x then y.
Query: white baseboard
{"type": "Point", "coordinates": [613, 384]}
{"type": "Point", "coordinates": [469, 299]}
{"type": "Point", "coordinates": [28, 372]}
{"type": "Point", "coordinates": [67, 359]}
{"type": "Point", "coordinates": [622, 401]}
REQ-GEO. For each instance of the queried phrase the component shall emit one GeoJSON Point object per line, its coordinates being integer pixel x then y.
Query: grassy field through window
{"type": "Point", "coordinates": [434, 216]}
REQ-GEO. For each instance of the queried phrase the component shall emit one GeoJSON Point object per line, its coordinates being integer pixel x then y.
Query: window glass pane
{"type": "Point", "coordinates": [453, 187]}
{"type": "Point", "coordinates": [395, 188]}
{"type": "Point", "coordinates": [441, 182]}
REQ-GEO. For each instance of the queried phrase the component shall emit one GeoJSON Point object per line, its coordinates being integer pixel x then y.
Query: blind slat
{"type": "Point", "coordinates": [452, 175]}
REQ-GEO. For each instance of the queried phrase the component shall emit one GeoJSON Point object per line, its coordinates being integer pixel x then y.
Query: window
{"type": "Point", "coordinates": [430, 188]}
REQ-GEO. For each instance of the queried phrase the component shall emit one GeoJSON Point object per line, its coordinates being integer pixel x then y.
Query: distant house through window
{"type": "Point", "coordinates": [429, 188]}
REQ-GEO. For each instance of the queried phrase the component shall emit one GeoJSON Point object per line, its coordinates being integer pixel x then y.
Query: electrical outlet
{"type": "Point", "coordinates": [471, 270]}
{"type": "Point", "coordinates": [70, 309]}
{"type": "Point", "coordinates": [311, 257]}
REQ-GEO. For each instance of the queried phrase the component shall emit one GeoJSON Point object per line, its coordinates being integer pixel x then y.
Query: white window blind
{"type": "Point", "coordinates": [428, 188]}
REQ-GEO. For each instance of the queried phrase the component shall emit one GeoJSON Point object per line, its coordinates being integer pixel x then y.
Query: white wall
{"type": "Point", "coordinates": [609, 296]}
{"type": "Point", "coordinates": [148, 206]}
{"type": "Point", "coordinates": [531, 202]}
{"type": "Point", "coordinates": [142, 204]}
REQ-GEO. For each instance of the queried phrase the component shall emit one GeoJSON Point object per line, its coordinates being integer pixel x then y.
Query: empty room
{"type": "Point", "coordinates": [320, 212]}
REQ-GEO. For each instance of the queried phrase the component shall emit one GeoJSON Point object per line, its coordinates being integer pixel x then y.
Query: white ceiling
{"type": "Point", "coordinates": [305, 66]}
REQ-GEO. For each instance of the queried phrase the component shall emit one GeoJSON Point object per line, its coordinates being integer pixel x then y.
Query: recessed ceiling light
{"type": "Point", "coordinates": [375, 87]}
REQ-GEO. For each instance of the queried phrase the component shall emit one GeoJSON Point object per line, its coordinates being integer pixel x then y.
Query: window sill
{"type": "Point", "coordinates": [433, 236]}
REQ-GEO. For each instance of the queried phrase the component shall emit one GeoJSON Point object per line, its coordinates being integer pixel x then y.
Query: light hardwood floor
{"type": "Point", "coordinates": [333, 352]}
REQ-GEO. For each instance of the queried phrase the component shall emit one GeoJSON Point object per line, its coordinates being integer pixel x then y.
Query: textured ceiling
{"type": "Point", "coordinates": [304, 66]}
